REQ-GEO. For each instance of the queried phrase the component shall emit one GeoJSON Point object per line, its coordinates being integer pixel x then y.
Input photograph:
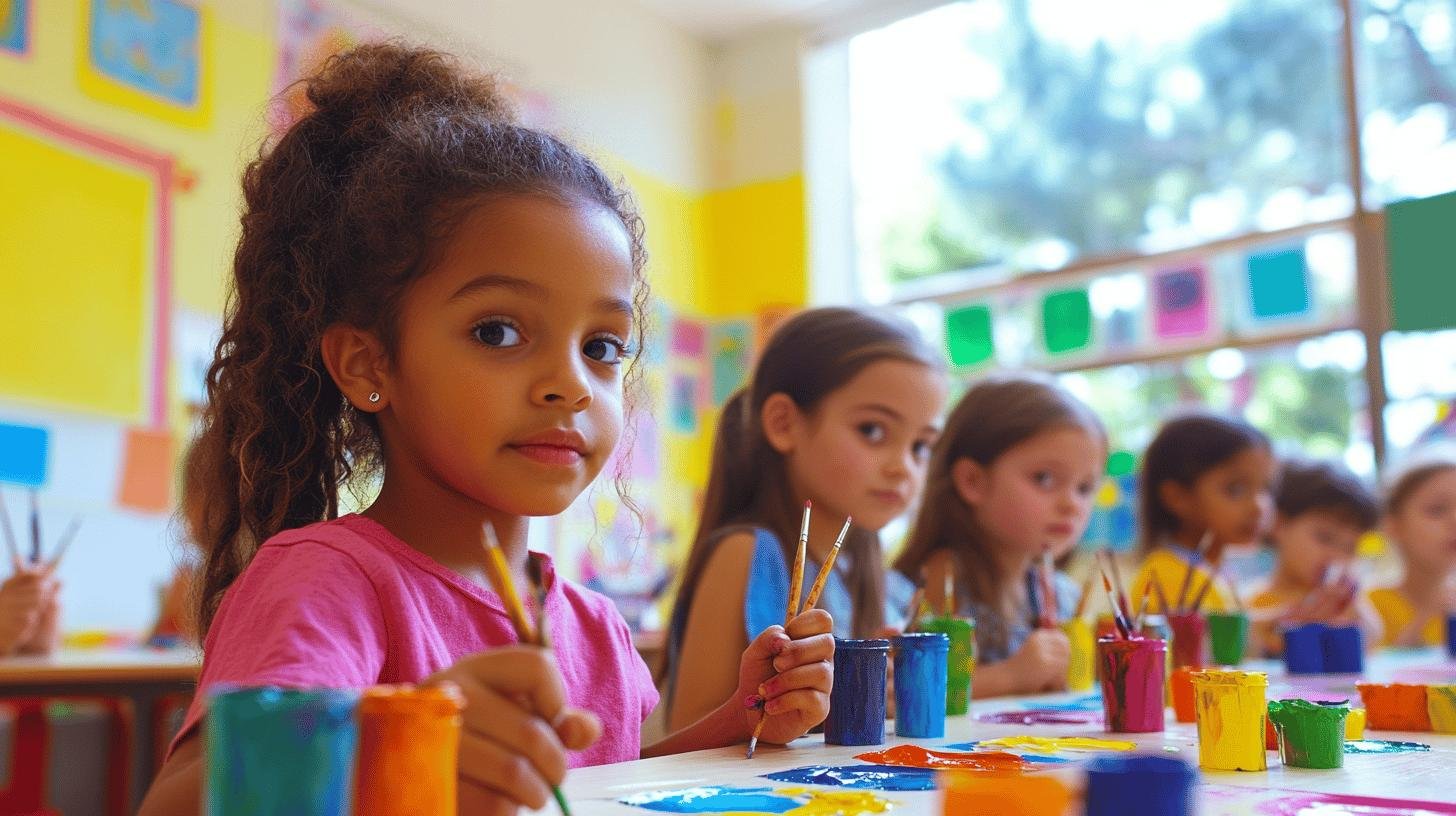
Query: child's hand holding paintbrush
{"type": "Point", "coordinates": [517, 726]}
{"type": "Point", "coordinates": [29, 598]}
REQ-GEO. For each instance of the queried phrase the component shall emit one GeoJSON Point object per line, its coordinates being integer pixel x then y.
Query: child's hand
{"type": "Point", "coordinates": [517, 729]}
{"type": "Point", "coordinates": [1330, 603]}
{"type": "Point", "coordinates": [1042, 660]}
{"type": "Point", "coordinates": [23, 597]}
{"type": "Point", "coordinates": [795, 670]}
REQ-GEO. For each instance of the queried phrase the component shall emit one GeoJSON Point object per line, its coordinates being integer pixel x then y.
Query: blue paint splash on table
{"type": "Point", "coordinates": [870, 777]}
{"type": "Point", "coordinates": [713, 800]}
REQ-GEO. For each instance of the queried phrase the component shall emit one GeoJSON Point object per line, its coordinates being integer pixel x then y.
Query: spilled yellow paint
{"type": "Point", "coordinates": [836, 803]}
{"type": "Point", "coordinates": [1048, 745]}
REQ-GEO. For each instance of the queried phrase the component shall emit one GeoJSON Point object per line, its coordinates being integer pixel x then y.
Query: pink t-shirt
{"type": "Point", "coordinates": [346, 604]}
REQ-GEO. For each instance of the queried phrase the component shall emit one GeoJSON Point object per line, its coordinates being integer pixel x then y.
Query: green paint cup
{"type": "Point", "coordinates": [960, 662]}
{"type": "Point", "coordinates": [1311, 735]}
{"type": "Point", "coordinates": [1229, 632]}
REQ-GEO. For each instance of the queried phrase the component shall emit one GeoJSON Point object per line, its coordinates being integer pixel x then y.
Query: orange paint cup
{"type": "Point", "coordinates": [972, 794]}
{"type": "Point", "coordinates": [1395, 706]}
{"type": "Point", "coordinates": [409, 740]}
{"type": "Point", "coordinates": [1183, 698]}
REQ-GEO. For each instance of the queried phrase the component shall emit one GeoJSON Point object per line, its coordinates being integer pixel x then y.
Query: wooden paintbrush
{"type": "Point", "coordinates": [1086, 595]}
{"type": "Point", "coordinates": [1117, 617]}
{"type": "Point", "coordinates": [823, 576]}
{"type": "Point", "coordinates": [34, 528]}
{"type": "Point", "coordinates": [912, 611]}
{"type": "Point", "coordinates": [65, 543]}
{"type": "Point", "coordinates": [1117, 581]}
{"type": "Point", "coordinates": [1193, 561]}
{"type": "Point", "coordinates": [796, 583]}
{"type": "Point", "coordinates": [1048, 591]}
{"type": "Point", "coordinates": [500, 579]}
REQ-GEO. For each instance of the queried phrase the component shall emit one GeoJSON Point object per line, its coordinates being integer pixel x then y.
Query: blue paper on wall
{"type": "Point", "coordinates": [1279, 285]}
{"type": "Point", "coordinates": [153, 47]}
{"type": "Point", "coordinates": [23, 454]}
{"type": "Point", "coordinates": [729, 343]}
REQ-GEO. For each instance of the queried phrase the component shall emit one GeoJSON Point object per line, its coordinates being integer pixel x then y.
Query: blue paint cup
{"type": "Point", "coordinates": [1304, 649]}
{"type": "Point", "coordinates": [1344, 650]}
{"type": "Point", "coordinates": [1451, 636]}
{"type": "Point", "coordinates": [857, 702]}
{"type": "Point", "coordinates": [1147, 785]}
{"type": "Point", "coordinates": [280, 752]}
{"type": "Point", "coordinates": [920, 665]}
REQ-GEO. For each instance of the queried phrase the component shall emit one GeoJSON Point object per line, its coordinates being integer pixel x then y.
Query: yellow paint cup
{"type": "Point", "coordinates": [1081, 666]}
{"type": "Point", "coordinates": [1231, 714]}
{"type": "Point", "coordinates": [1441, 704]}
{"type": "Point", "coordinates": [1355, 724]}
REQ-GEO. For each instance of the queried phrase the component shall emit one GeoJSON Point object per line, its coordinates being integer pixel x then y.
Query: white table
{"type": "Point", "coordinates": [1423, 776]}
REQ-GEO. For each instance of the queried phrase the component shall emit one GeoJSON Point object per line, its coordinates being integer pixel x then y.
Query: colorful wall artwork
{"type": "Point", "coordinates": [23, 454]}
{"type": "Point", "coordinates": [150, 56]}
{"type": "Point", "coordinates": [1181, 303]}
{"type": "Point", "coordinates": [15, 26]}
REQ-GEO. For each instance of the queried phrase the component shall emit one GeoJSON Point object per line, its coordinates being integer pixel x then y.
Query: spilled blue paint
{"type": "Point", "coordinates": [713, 800]}
{"type": "Point", "coordinates": [1383, 746]}
{"type": "Point", "coordinates": [871, 777]}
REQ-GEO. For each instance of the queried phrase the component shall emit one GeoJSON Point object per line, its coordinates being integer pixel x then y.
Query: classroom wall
{"type": "Point", "coordinates": [129, 204]}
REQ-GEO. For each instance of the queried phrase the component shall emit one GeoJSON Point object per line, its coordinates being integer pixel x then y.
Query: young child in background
{"type": "Point", "coordinates": [1420, 519]}
{"type": "Point", "coordinates": [427, 290]}
{"type": "Point", "coordinates": [1322, 511]}
{"type": "Point", "coordinates": [842, 410]}
{"type": "Point", "coordinates": [1206, 479]}
{"type": "Point", "coordinates": [1014, 475]}
{"type": "Point", "coordinates": [29, 610]}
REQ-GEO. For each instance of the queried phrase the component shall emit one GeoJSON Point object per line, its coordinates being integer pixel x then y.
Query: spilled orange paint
{"type": "Point", "coordinates": [409, 739]}
{"type": "Point", "coordinates": [914, 756]}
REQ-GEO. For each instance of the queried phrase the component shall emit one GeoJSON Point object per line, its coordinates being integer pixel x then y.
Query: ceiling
{"type": "Point", "coordinates": [723, 19]}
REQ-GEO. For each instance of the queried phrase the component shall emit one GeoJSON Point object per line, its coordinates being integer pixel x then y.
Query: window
{"type": "Point", "coordinates": [1156, 202]}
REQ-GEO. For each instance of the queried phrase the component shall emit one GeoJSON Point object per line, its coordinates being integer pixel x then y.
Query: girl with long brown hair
{"type": "Point", "coordinates": [1013, 476]}
{"type": "Point", "coordinates": [841, 411]}
{"type": "Point", "coordinates": [428, 292]}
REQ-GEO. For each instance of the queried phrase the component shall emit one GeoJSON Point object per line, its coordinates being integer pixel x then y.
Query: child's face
{"type": "Point", "coordinates": [1039, 493]}
{"type": "Point", "coordinates": [1312, 542]}
{"type": "Point", "coordinates": [863, 450]}
{"type": "Point", "coordinates": [1233, 500]}
{"type": "Point", "coordinates": [506, 385]}
{"type": "Point", "coordinates": [1425, 524]}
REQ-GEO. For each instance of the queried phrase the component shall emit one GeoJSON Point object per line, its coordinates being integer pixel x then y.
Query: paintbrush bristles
{"type": "Point", "coordinates": [823, 576]}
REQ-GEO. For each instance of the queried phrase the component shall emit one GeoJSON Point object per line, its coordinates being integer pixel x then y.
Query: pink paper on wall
{"type": "Point", "coordinates": [689, 337]}
{"type": "Point", "coordinates": [1181, 302]}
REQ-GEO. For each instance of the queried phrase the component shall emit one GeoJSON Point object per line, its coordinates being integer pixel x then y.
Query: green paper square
{"type": "Point", "coordinates": [1066, 321]}
{"type": "Point", "coordinates": [1420, 240]}
{"type": "Point", "coordinates": [968, 336]}
{"type": "Point", "coordinates": [1278, 284]}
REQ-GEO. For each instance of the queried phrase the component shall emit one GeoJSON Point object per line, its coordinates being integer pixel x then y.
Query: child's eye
{"type": "Point", "coordinates": [607, 350]}
{"type": "Point", "coordinates": [1236, 490]}
{"type": "Point", "coordinates": [921, 449]}
{"type": "Point", "coordinates": [497, 333]}
{"type": "Point", "coordinates": [1043, 478]}
{"type": "Point", "coordinates": [1086, 488]}
{"type": "Point", "coordinates": [872, 431]}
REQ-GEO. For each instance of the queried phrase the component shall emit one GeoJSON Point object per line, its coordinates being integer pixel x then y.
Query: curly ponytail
{"type": "Point", "coordinates": [340, 216]}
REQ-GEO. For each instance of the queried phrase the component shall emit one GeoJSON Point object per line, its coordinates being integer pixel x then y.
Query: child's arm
{"type": "Point", "coordinates": [795, 671]}
{"type": "Point", "coordinates": [713, 639]}
{"type": "Point", "coordinates": [177, 789]}
{"type": "Point", "coordinates": [1039, 665]}
{"type": "Point", "coordinates": [1367, 617]}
